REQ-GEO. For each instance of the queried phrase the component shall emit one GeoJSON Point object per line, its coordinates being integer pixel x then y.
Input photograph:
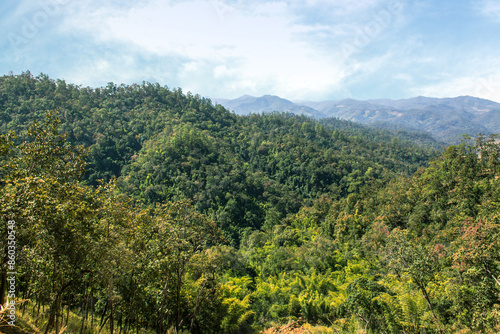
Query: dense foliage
{"type": "Point", "coordinates": [164, 145]}
{"type": "Point", "coordinates": [225, 224]}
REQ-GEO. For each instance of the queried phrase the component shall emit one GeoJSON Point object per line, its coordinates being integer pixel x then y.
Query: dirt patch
{"type": "Point", "coordinates": [293, 327]}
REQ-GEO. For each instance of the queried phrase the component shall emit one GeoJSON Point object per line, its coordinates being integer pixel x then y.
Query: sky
{"type": "Point", "coordinates": [297, 49]}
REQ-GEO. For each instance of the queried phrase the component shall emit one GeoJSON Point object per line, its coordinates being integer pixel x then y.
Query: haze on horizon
{"type": "Point", "coordinates": [296, 49]}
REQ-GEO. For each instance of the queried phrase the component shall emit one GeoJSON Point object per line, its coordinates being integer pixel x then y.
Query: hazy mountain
{"type": "Point", "coordinates": [446, 119]}
{"type": "Point", "coordinates": [247, 104]}
{"type": "Point", "coordinates": [354, 110]}
{"type": "Point", "coordinates": [467, 103]}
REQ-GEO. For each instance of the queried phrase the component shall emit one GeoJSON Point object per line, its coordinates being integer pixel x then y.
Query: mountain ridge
{"type": "Point", "coordinates": [446, 119]}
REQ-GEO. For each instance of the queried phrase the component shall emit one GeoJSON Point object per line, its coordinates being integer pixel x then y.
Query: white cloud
{"type": "Point", "coordinates": [475, 74]}
{"type": "Point", "coordinates": [298, 49]}
{"type": "Point", "coordinates": [216, 47]}
{"type": "Point", "coordinates": [486, 87]}
{"type": "Point", "coordinates": [489, 8]}
{"type": "Point", "coordinates": [344, 7]}
{"type": "Point", "coordinates": [255, 48]}
{"type": "Point", "coordinates": [403, 77]}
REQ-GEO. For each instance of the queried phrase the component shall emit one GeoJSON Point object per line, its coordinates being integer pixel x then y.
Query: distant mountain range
{"type": "Point", "coordinates": [446, 119]}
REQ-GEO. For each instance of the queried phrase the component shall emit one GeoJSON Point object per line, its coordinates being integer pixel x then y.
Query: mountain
{"type": "Point", "coordinates": [354, 110]}
{"type": "Point", "coordinates": [446, 119]}
{"type": "Point", "coordinates": [247, 104]}
{"type": "Point", "coordinates": [468, 103]}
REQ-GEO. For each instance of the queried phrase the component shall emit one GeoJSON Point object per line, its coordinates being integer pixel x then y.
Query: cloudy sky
{"type": "Point", "coordinates": [297, 49]}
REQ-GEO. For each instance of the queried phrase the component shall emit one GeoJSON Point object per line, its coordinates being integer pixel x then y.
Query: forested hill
{"type": "Point", "coordinates": [164, 145]}
{"type": "Point", "coordinates": [220, 223]}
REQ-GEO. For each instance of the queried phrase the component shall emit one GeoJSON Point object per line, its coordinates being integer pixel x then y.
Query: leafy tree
{"type": "Point", "coordinates": [405, 255]}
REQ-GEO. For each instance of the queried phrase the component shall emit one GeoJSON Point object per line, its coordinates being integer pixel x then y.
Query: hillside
{"type": "Point", "coordinates": [164, 145]}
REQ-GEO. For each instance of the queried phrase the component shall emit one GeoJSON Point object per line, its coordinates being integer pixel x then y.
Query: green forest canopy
{"type": "Point", "coordinates": [164, 145]}
{"type": "Point", "coordinates": [163, 211]}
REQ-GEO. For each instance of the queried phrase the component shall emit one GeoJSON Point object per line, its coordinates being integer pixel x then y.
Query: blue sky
{"type": "Point", "coordinates": [297, 49]}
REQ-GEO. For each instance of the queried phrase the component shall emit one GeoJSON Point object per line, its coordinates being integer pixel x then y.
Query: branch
{"type": "Point", "coordinates": [489, 272]}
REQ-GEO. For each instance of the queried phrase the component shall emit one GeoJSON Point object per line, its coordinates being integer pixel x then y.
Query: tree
{"type": "Point", "coordinates": [181, 238]}
{"type": "Point", "coordinates": [7, 204]}
{"type": "Point", "coordinates": [405, 254]}
{"type": "Point", "coordinates": [53, 212]}
{"type": "Point", "coordinates": [479, 246]}
{"type": "Point", "coordinates": [362, 301]}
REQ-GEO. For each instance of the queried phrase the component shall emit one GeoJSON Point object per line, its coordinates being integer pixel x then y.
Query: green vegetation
{"type": "Point", "coordinates": [143, 208]}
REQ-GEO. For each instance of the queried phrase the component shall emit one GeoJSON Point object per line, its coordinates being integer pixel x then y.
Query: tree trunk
{"type": "Point", "coordinates": [58, 308]}
{"type": "Point", "coordinates": [53, 312]}
{"type": "Point", "coordinates": [3, 275]}
{"type": "Point", "coordinates": [84, 309]}
{"type": "Point", "coordinates": [68, 306]}
{"type": "Point", "coordinates": [3, 286]}
{"type": "Point", "coordinates": [111, 318]}
{"type": "Point", "coordinates": [178, 294]}
{"type": "Point", "coordinates": [197, 305]}
{"type": "Point", "coordinates": [160, 325]}
{"type": "Point", "coordinates": [93, 311]}
{"type": "Point", "coordinates": [428, 300]}
{"type": "Point", "coordinates": [111, 308]}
